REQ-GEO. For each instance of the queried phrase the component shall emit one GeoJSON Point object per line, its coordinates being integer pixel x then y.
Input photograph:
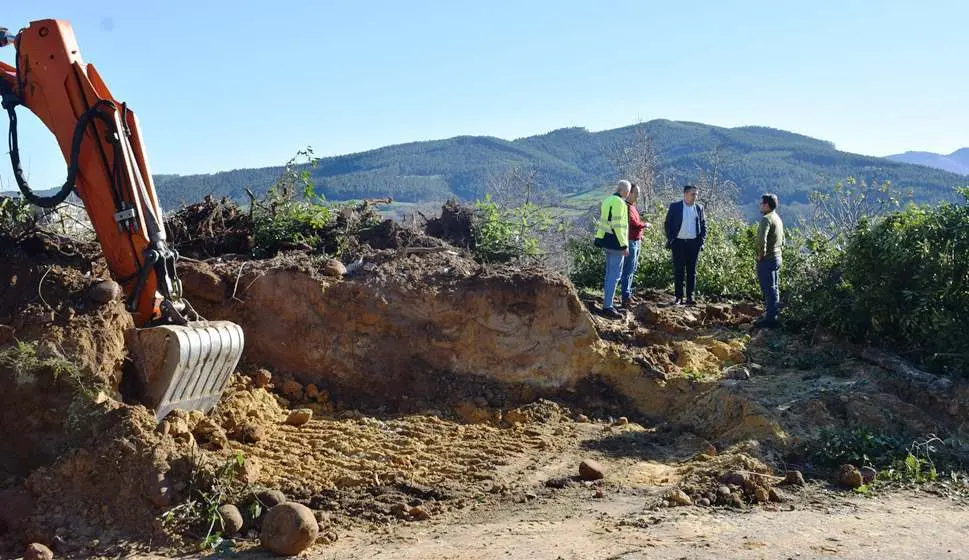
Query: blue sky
{"type": "Point", "coordinates": [220, 85]}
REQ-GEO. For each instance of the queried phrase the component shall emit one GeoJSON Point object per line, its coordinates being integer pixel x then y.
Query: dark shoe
{"type": "Point", "coordinates": [625, 303]}
{"type": "Point", "coordinates": [612, 313]}
{"type": "Point", "coordinates": [765, 323]}
{"type": "Point", "coordinates": [690, 302]}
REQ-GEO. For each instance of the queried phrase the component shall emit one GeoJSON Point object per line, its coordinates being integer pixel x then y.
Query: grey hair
{"type": "Point", "coordinates": [624, 187]}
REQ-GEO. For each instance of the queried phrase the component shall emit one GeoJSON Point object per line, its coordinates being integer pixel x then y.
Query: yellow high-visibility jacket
{"type": "Point", "coordinates": [613, 230]}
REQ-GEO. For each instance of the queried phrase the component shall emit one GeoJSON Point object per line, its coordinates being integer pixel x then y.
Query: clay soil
{"type": "Point", "coordinates": [451, 407]}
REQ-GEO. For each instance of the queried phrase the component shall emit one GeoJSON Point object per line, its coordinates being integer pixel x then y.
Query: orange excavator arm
{"type": "Point", "coordinates": [108, 169]}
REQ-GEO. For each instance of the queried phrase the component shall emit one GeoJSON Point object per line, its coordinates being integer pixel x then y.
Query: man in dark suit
{"type": "Point", "coordinates": [686, 230]}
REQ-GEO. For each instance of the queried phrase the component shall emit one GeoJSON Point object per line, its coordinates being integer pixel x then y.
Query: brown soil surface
{"type": "Point", "coordinates": [451, 406]}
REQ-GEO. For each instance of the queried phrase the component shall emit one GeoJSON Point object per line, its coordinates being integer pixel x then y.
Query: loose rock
{"type": "Point", "coordinates": [250, 433]}
{"type": "Point", "coordinates": [231, 519]}
{"type": "Point", "coordinates": [621, 421]}
{"type": "Point", "coordinates": [736, 478]}
{"type": "Point", "coordinates": [679, 497]}
{"type": "Point", "coordinates": [299, 417]}
{"type": "Point", "coordinates": [262, 378]}
{"type": "Point", "coordinates": [761, 494]}
{"type": "Point", "coordinates": [311, 391]}
{"type": "Point", "coordinates": [37, 551]}
{"type": "Point", "coordinates": [104, 292]}
{"type": "Point", "coordinates": [850, 477]}
{"type": "Point", "coordinates": [289, 529]}
{"type": "Point", "coordinates": [293, 390]}
{"type": "Point", "coordinates": [582, 418]}
{"type": "Point", "coordinates": [868, 474]}
{"type": "Point", "coordinates": [794, 478]}
{"type": "Point", "coordinates": [271, 498]}
{"type": "Point", "coordinates": [334, 268]}
{"type": "Point", "coordinates": [418, 513]}
{"type": "Point", "coordinates": [591, 470]}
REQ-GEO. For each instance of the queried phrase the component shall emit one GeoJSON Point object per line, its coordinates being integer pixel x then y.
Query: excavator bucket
{"type": "Point", "coordinates": [185, 367]}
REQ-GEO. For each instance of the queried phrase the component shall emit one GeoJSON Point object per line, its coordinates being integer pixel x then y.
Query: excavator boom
{"type": "Point", "coordinates": [183, 361]}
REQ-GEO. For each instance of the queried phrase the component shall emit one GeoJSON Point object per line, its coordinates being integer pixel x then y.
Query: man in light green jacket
{"type": "Point", "coordinates": [612, 236]}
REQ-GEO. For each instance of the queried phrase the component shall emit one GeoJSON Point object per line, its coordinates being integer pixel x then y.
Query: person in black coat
{"type": "Point", "coordinates": [686, 231]}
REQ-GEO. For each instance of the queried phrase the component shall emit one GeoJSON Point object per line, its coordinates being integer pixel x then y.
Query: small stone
{"type": "Point", "coordinates": [321, 516]}
{"type": "Point", "coordinates": [868, 474]}
{"type": "Point", "coordinates": [761, 494]}
{"type": "Point", "coordinates": [599, 494]}
{"type": "Point", "coordinates": [850, 477]}
{"type": "Point", "coordinates": [231, 519]}
{"type": "Point", "coordinates": [777, 496]}
{"type": "Point", "coordinates": [271, 498]}
{"type": "Point", "coordinates": [334, 268]}
{"type": "Point", "coordinates": [418, 513]}
{"type": "Point", "coordinates": [704, 502]}
{"type": "Point", "coordinates": [311, 391]}
{"type": "Point", "coordinates": [251, 433]}
{"type": "Point", "coordinates": [262, 378]}
{"type": "Point", "coordinates": [289, 529]}
{"type": "Point", "coordinates": [723, 490]}
{"type": "Point", "coordinates": [299, 417]}
{"type": "Point", "coordinates": [293, 390]}
{"type": "Point", "coordinates": [591, 470]}
{"type": "Point", "coordinates": [794, 478]}
{"type": "Point", "coordinates": [621, 421]}
{"type": "Point", "coordinates": [736, 478]}
{"type": "Point", "coordinates": [679, 497]}
{"type": "Point", "coordinates": [37, 551]}
{"type": "Point", "coordinates": [709, 449]}
{"type": "Point", "coordinates": [210, 435]}
{"type": "Point", "coordinates": [582, 418]}
{"type": "Point", "coordinates": [738, 372]}
{"type": "Point", "coordinates": [104, 292]}
{"type": "Point", "coordinates": [736, 501]}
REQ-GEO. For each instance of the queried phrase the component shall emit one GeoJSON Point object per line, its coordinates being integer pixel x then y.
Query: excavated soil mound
{"type": "Point", "coordinates": [209, 228]}
{"type": "Point", "coordinates": [403, 323]}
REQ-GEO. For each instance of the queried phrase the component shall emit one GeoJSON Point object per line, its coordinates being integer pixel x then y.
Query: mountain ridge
{"type": "Point", "coordinates": [956, 162]}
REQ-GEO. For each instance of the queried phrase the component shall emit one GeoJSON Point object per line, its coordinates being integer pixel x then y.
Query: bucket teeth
{"type": "Point", "coordinates": [186, 367]}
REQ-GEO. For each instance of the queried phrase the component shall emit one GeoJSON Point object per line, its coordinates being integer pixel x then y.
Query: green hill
{"type": "Point", "coordinates": [573, 161]}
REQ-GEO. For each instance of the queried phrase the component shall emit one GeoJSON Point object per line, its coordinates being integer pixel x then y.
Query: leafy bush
{"type": "Point", "coordinates": [506, 233]}
{"type": "Point", "coordinates": [16, 217]}
{"type": "Point", "coordinates": [292, 215]}
{"type": "Point", "coordinates": [902, 282]}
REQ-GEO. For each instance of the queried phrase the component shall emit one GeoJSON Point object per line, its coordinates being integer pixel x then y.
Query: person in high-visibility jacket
{"type": "Point", "coordinates": [612, 236]}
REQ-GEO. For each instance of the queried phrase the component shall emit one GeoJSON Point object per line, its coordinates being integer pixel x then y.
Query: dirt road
{"type": "Point", "coordinates": [903, 525]}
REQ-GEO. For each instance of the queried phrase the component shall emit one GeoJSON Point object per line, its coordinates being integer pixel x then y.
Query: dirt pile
{"type": "Point", "coordinates": [210, 228]}
{"type": "Point", "coordinates": [402, 324]}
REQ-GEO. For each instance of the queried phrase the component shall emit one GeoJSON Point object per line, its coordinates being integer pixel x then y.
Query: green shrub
{"type": "Point", "coordinates": [506, 233]}
{"type": "Point", "coordinates": [902, 282]}
{"type": "Point", "coordinates": [292, 214]}
{"type": "Point", "coordinates": [16, 217]}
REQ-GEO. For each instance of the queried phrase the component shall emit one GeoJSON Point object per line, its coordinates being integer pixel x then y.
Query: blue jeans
{"type": "Point", "coordinates": [629, 266]}
{"type": "Point", "coordinates": [613, 270]}
{"type": "Point", "coordinates": [768, 273]}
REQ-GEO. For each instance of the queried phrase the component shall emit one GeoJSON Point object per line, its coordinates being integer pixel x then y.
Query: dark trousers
{"type": "Point", "coordinates": [686, 252]}
{"type": "Point", "coordinates": [768, 273]}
